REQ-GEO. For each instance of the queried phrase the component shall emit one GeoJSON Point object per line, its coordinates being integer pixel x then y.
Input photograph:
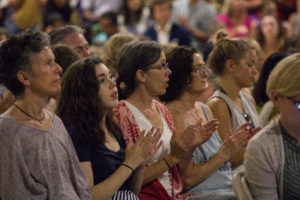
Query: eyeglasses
{"type": "Point", "coordinates": [297, 103]}
{"type": "Point", "coordinates": [200, 69]}
{"type": "Point", "coordinates": [249, 119]}
{"type": "Point", "coordinates": [164, 67]}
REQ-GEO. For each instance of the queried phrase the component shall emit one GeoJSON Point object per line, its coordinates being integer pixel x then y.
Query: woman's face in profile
{"type": "Point", "coordinates": [108, 92]}
{"type": "Point", "coordinates": [157, 77]}
{"type": "Point", "coordinates": [199, 74]}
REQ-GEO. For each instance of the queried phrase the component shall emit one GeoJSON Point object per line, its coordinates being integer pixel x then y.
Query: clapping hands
{"type": "Point", "coordinates": [238, 139]}
{"type": "Point", "coordinates": [139, 153]}
{"type": "Point", "coordinates": [183, 144]}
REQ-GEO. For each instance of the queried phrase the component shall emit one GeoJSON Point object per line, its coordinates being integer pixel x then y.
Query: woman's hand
{"type": "Point", "coordinates": [139, 153]}
{"type": "Point", "coordinates": [183, 144]}
{"type": "Point", "coordinates": [204, 132]}
{"type": "Point", "coordinates": [238, 140]}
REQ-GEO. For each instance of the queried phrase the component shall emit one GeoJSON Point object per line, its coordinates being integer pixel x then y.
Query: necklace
{"type": "Point", "coordinates": [32, 117]}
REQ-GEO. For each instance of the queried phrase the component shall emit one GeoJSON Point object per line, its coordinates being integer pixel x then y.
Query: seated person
{"type": "Point", "coordinates": [88, 96]}
{"type": "Point", "coordinates": [233, 61]}
{"type": "Point", "coordinates": [164, 30]}
{"type": "Point", "coordinates": [37, 157]}
{"type": "Point", "coordinates": [272, 158]}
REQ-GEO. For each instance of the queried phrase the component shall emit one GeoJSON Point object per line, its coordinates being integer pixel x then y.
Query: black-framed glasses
{"type": "Point", "coordinates": [200, 69]}
{"type": "Point", "coordinates": [297, 103]}
{"type": "Point", "coordinates": [248, 118]}
{"type": "Point", "coordinates": [163, 66]}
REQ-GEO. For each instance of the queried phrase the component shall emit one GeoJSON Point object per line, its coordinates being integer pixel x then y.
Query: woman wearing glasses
{"type": "Point", "coordinates": [272, 158]}
{"type": "Point", "coordinates": [233, 61]}
{"type": "Point", "coordinates": [144, 75]}
{"type": "Point", "coordinates": [208, 174]}
{"type": "Point", "coordinates": [88, 96]}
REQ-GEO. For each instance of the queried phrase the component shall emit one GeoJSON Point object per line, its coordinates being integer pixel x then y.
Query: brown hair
{"type": "Point", "coordinates": [226, 48]}
{"type": "Point", "coordinates": [64, 55]}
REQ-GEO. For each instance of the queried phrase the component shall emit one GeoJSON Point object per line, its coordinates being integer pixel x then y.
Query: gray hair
{"type": "Point", "coordinates": [58, 34]}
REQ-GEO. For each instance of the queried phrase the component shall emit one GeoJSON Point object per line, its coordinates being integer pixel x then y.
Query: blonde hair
{"type": "Point", "coordinates": [285, 77]}
{"type": "Point", "coordinates": [112, 49]}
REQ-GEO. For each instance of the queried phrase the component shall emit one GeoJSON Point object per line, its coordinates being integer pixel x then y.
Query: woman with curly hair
{"type": "Point", "coordinates": [88, 96]}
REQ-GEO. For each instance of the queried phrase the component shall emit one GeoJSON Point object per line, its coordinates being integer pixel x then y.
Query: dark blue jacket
{"type": "Point", "coordinates": [178, 34]}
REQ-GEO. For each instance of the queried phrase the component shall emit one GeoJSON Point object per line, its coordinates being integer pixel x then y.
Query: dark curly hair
{"type": "Point", "coordinates": [17, 54]}
{"type": "Point", "coordinates": [80, 106]}
{"type": "Point", "coordinates": [134, 56]}
{"type": "Point", "coordinates": [180, 61]}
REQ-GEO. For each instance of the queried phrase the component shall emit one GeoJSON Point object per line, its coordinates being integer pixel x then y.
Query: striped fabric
{"type": "Point", "coordinates": [124, 195]}
{"type": "Point", "coordinates": [291, 180]}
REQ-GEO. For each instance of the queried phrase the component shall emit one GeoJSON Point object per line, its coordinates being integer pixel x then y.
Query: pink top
{"type": "Point", "coordinates": [243, 32]}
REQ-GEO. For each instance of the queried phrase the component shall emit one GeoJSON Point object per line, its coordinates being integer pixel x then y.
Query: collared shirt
{"type": "Point", "coordinates": [163, 33]}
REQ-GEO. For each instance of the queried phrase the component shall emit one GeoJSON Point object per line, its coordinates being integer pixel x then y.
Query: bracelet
{"type": "Point", "coordinates": [128, 167]}
{"type": "Point", "coordinates": [164, 159]}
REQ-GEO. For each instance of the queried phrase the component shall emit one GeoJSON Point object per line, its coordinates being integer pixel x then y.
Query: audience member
{"type": "Point", "coordinates": [233, 61]}
{"type": "Point", "coordinates": [164, 30]}
{"type": "Point", "coordinates": [109, 24]}
{"type": "Point", "coordinates": [134, 17]}
{"type": "Point", "coordinates": [52, 21]}
{"type": "Point", "coordinates": [93, 9]}
{"type": "Point", "coordinates": [270, 35]}
{"type": "Point", "coordinates": [61, 7]}
{"type": "Point", "coordinates": [73, 36]}
{"type": "Point", "coordinates": [37, 157]}
{"type": "Point", "coordinates": [27, 14]}
{"type": "Point", "coordinates": [208, 174]}
{"type": "Point", "coordinates": [143, 75]}
{"type": "Point", "coordinates": [87, 98]}
{"type": "Point", "coordinates": [198, 17]}
{"type": "Point", "coordinates": [64, 56]}
{"type": "Point", "coordinates": [272, 157]}
{"type": "Point", "coordinates": [236, 19]}
{"type": "Point", "coordinates": [112, 48]}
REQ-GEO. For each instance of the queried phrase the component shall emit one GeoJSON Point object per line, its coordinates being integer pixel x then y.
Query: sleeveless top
{"type": "Point", "coordinates": [165, 149]}
{"type": "Point", "coordinates": [237, 116]}
{"type": "Point", "coordinates": [222, 178]}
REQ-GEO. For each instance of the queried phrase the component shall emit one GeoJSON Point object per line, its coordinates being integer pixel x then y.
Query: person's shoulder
{"type": "Point", "coordinates": [216, 103]}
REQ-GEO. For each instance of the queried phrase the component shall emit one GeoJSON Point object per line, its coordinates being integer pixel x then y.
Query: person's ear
{"type": "Point", "coordinates": [274, 96]}
{"type": "Point", "coordinates": [23, 78]}
{"type": "Point", "coordinates": [140, 75]}
{"type": "Point", "coordinates": [229, 66]}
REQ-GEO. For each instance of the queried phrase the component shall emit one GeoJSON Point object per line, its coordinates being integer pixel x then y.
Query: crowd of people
{"type": "Point", "coordinates": [150, 100]}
